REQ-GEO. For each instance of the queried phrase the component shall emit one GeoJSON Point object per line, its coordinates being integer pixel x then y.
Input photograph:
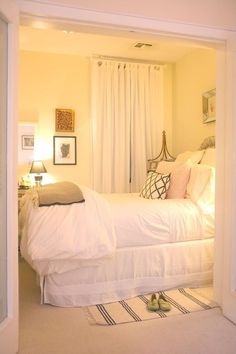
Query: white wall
{"type": "Point", "coordinates": [194, 74]}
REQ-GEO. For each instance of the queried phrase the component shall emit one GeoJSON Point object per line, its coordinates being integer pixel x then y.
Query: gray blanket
{"type": "Point", "coordinates": [60, 193]}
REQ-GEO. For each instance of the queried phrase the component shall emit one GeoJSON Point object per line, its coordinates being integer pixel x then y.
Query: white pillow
{"type": "Point", "coordinates": [209, 157]}
{"type": "Point", "coordinates": [201, 186]}
{"type": "Point", "coordinates": [201, 190]}
{"type": "Point", "coordinates": [156, 186]}
{"type": "Point", "coordinates": [179, 177]}
{"type": "Point", "coordinates": [167, 166]}
{"type": "Point", "coordinates": [194, 156]}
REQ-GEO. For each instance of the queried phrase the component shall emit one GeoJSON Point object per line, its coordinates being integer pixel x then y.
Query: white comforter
{"type": "Point", "coordinates": [87, 233]}
{"type": "Point", "coordinates": [82, 231]}
{"type": "Point", "coordinates": [144, 222]}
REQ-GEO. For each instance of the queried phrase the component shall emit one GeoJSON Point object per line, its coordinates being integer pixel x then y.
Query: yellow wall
{"type": "Point", "coordinates": [194, 74]}
{"type": "Point", "coordinates": [50, 81]}
{"type": "Point", "coordinates": [47, 82]}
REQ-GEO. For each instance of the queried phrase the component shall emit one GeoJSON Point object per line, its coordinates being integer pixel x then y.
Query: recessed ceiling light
{"type": "Point", "coordinates": [67, 32]}
{"type": "Point", "coordinates": [39, 24]}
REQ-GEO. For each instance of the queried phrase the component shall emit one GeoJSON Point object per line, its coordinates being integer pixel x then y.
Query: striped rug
{"type": "Point", "coordinates": [183, 301]}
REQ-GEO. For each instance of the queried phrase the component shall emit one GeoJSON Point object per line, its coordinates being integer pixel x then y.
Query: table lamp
{"type": "Point", "coordinates": [37, 168]}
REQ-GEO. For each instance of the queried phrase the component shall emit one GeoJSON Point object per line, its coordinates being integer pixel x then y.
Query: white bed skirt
{"type": "Point", "coordinates": [131, 272]}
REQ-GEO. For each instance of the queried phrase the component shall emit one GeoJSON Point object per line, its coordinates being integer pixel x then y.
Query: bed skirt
{"type": "Point", "coordinates": [131, 272]}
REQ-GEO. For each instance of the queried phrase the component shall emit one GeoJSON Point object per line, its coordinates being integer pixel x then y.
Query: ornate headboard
{"type": "Point", "coordinates": [163, 155]}
{"type": "Point", "coordinates": [208, 142]}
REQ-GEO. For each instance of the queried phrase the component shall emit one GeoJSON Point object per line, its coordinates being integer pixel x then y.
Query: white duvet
{"type": "Point", "coordinates": [86, 233]}
{"type": "Point", "coordinates": [142, 222]}
{"type": "Point", "coordinates": [82, 231]}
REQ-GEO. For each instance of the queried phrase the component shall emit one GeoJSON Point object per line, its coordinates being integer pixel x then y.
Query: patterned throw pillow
{"type": "Point", "coordinates": [156, 186]}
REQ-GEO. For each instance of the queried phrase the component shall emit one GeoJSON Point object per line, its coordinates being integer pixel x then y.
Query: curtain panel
{"type": "Point", "coordinates": [127, 121]}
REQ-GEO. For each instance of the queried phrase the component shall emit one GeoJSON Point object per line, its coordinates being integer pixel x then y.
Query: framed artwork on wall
{"type": "Point", "coordinates": [64, 150]}
{"type": "Point", "coordinates": [27, 142]}
{"type": "Point", "coordinates": [152, 165]}
{"type": "Point", "coordinates": [209, 106]}
{"type": "Point", "coordinates": [64, 120]}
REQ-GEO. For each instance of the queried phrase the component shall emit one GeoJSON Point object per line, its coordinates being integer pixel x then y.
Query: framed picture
{"type": "Point", "coordinates": [27, 142]}
{"type": "Point", "coordinates": [65, 121]}
{"type": "Point", "coordinates": [209, 106]}
{"type": "Point", "coordinates": [152, 165]}
{"type": "Point", "coordinates": [64, 150]}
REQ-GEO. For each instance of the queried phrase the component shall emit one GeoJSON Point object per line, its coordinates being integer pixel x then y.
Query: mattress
{"type": "Point", "coordinates": [132, 271]}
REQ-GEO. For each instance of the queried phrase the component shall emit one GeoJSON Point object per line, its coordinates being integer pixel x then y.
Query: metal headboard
{"type": "Point", "coordinates": [164, 155]}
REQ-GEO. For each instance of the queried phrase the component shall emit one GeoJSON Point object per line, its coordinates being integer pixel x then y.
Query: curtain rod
{"type": "Point", "coordinates": [122, 59]}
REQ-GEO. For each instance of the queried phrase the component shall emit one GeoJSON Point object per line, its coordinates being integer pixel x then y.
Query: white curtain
{"type": "Point", "coordinates": [127, 116]}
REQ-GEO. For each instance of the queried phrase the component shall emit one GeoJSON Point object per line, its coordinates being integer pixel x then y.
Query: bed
{"type": "Point", "coordinates": [115, 246]}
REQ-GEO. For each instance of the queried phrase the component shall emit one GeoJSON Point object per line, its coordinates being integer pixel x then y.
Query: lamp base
{"type": "Point", "coordinates": [38, 180]}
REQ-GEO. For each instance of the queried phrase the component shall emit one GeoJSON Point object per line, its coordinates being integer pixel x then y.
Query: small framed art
{"type": "Point", "coordinates": [64, 150]}
{"type": "Point", "coordinates": [152, 165]}
{"type": "Point", "coordinates": [209, 106]}
{"type": "Point", "coordinates": [65, 120]}
{"type": "Point", "coordinates": [27, 142]}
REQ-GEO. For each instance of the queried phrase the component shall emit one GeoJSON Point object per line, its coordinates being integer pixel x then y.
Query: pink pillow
{"type": "Point", "coordinates": [179, 178]}
{"type": "Point", "coordinates": [178, 181]}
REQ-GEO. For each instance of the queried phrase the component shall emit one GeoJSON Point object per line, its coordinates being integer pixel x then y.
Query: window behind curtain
{"type": "Point", "coordinates": [127, 110]}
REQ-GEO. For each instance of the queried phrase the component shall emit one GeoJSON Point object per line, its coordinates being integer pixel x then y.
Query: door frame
{"type": "Point", "coordinates": [9, 326]}
{"type": "Point", "coordinates": [224, 41]}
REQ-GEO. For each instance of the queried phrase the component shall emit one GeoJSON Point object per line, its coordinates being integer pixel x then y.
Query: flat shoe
{"type": "Point", "coordinates": [164, 305]}
{"type": "Point", "coordinates": [153, 304]}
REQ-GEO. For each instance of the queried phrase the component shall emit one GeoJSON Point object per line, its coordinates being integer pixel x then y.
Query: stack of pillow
{"type": "Point", "coordinates": [191, 175]}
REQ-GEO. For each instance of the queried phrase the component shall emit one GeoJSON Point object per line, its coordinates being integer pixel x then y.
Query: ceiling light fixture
{"type": "Point", "coordinates": [67, 32]}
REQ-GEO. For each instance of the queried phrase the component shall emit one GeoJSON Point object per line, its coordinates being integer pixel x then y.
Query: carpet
{"type": "Point", "coordinates": [183, 301]}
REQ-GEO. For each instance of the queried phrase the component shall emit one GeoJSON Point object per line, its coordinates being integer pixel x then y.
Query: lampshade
{"type": "Point", "coordinates": [38, 167]}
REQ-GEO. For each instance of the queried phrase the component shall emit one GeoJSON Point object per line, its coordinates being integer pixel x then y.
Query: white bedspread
{"type": "Point", "coordinates": [82, 231]}
{"type": "Point", "coordinates": [89, 233]}
{"type": "Point", "coordinates": [141, 222]}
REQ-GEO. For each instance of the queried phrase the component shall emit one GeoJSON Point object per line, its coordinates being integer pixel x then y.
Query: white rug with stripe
{"type": "Point", "coordinates": [183, 301]}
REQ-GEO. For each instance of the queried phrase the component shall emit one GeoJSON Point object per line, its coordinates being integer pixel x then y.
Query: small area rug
{"type": "Point", "coordinates": [183, 301]}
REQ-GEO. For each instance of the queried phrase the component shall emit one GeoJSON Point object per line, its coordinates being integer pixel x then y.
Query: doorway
{"type": "Point", "coordinates": [222, 143]}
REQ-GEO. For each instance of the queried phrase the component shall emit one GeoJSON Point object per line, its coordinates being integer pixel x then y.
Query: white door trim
{"type": "Point", "coordinates": [229, 211]}
{"type": "Point", "coordinates": [119, 21]}
{"type": "Point", "coordinates": [9, 327]}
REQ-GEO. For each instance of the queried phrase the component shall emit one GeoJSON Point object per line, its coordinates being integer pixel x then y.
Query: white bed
{"type": "Point", "coordinates": [115, 246]}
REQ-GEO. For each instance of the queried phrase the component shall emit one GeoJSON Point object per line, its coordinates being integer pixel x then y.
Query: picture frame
{"type": "Point", "coordinates": [152, 165]}
{"type": "Point", "coordinates": [27, 142]}
{"type": "Point", "coordinates": [64, 120]}
{"type": "Point", "coordinates": [209, 106]}
{"type": "Point", "coordinates": [64, 150]}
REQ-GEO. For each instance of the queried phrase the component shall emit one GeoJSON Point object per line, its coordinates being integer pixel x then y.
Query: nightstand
{"type": "Point", "coordinates": [21, 193]}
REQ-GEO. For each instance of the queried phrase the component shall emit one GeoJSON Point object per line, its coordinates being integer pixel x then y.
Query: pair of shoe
{"type": "Point", "coordinates": [161, 303]}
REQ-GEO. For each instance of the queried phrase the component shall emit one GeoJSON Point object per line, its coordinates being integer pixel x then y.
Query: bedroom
{"type": "Point", "coordinates": [216, 35]}
{"type": "Point", "coordinates": [69, 87]}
